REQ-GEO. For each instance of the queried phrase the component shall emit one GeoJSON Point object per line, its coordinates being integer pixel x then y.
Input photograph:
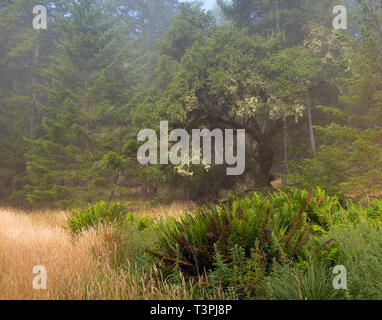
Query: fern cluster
{"type": "Point", "coordinates": [280, 246]}
{"type": "Point", "coordinates": [105, 213]}
{"type": "Point", "coordinates": [276, 227]}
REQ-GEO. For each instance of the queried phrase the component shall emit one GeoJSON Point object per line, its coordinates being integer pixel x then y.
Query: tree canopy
{"type": "Point", "coordinates": [74, 97]}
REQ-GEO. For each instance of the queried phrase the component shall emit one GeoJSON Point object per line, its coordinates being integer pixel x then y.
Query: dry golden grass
{"type": "Point", "coordinates": [79, 269]}
{"type": "Point", "coordinates": [27, 240]}
{"type": "Point", "coordinates": [173, 210]}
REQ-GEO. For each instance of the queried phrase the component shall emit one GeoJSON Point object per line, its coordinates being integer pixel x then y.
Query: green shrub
{"type": "Point", "coordinates": [356, 245]}
{"type": "Point", "coordinates": [280, 224]}
{"type": "Point", "coordinates": [355, 214]}
{"type": "Point", "coordinates": [131, 244]}
{"type": "Point", "coordinates": [374, 210]}
{"type": "Point", "coordinates": [280, 246]}
{"type": "Point", "coordinates": [359, 249]}
{"type": "Point", "coordinates": [100, 213]}
{"type": "Point", "coordinates": [315, 282]}
{"type": "Point", "coordinates": [326, 170]}
{"type": "Point", "coordinates": [322, 210]}
{"type": "Point", "coordinates": [106, 213]}
{"type": "Point", "coordinates": [242, 276]}
{"type": "Point", "coordinates": [139, 222]}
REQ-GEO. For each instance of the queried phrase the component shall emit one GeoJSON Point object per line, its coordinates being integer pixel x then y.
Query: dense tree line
{"type": "Point", "coordinates": [73, 97]}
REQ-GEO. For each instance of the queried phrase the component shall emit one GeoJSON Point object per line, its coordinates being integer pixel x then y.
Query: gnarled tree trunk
{"type": "Point", "coordinates": [264, 159]}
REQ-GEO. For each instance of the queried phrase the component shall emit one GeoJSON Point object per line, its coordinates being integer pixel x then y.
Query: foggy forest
{"type": "Point", "coordinates": [190, 150]}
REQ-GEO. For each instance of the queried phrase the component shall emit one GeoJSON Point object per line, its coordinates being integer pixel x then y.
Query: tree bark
{"type": "Point", "coordinates": [285, 149]}
{"type": "Point", "coordinates": [263, 154]}
{"type": "Point", "coordinates": [277, 17]}
{"type": "Point", "coordinates": [284, 119]}
{"type": "Point", "coordinates": [264, 159]}
{"type": "Point", "coordinates": [310, 122]}
{"type": "Point", "coordinates": [86, 84]}
{"type": "Point", "coordinates": [32, 111]}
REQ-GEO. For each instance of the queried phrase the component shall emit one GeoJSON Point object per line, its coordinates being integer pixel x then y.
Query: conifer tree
{"type": "Point", "coordinates": [17, 65]}
{"type": "Point", "coordinates": [87, 85]}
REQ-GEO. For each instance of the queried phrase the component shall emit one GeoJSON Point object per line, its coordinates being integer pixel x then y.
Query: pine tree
{"type": "Point", "coordinates": [87, 78]}
{"type": "Point", "coordinates": [17, 64]}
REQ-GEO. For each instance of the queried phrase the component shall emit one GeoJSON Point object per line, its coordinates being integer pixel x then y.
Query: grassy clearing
{"type": "Point", "coordinates": [27, 240]}
{"type": "Point", "coordinates": [80, 269]}
{"type": "Point", "coordinates": [283, 246]}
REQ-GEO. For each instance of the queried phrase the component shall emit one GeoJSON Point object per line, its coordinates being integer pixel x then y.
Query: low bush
{"type": "Point", "coordinates": [105, 213]}
{"type": "Point", "coordinates": [242, 276]}
{"type": "Point", "coordinates": [280, 246]}
{"type": "Point", "coordinates": [276, 227]}
{"type": "Point", "coordinates": [290, 282]}
{"type": "Point", "coordinates": [100, 213]}
{"type": "Point", "coordinates": [359, 249]}
{"type": "Point", "coordinates": [126, 244]}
